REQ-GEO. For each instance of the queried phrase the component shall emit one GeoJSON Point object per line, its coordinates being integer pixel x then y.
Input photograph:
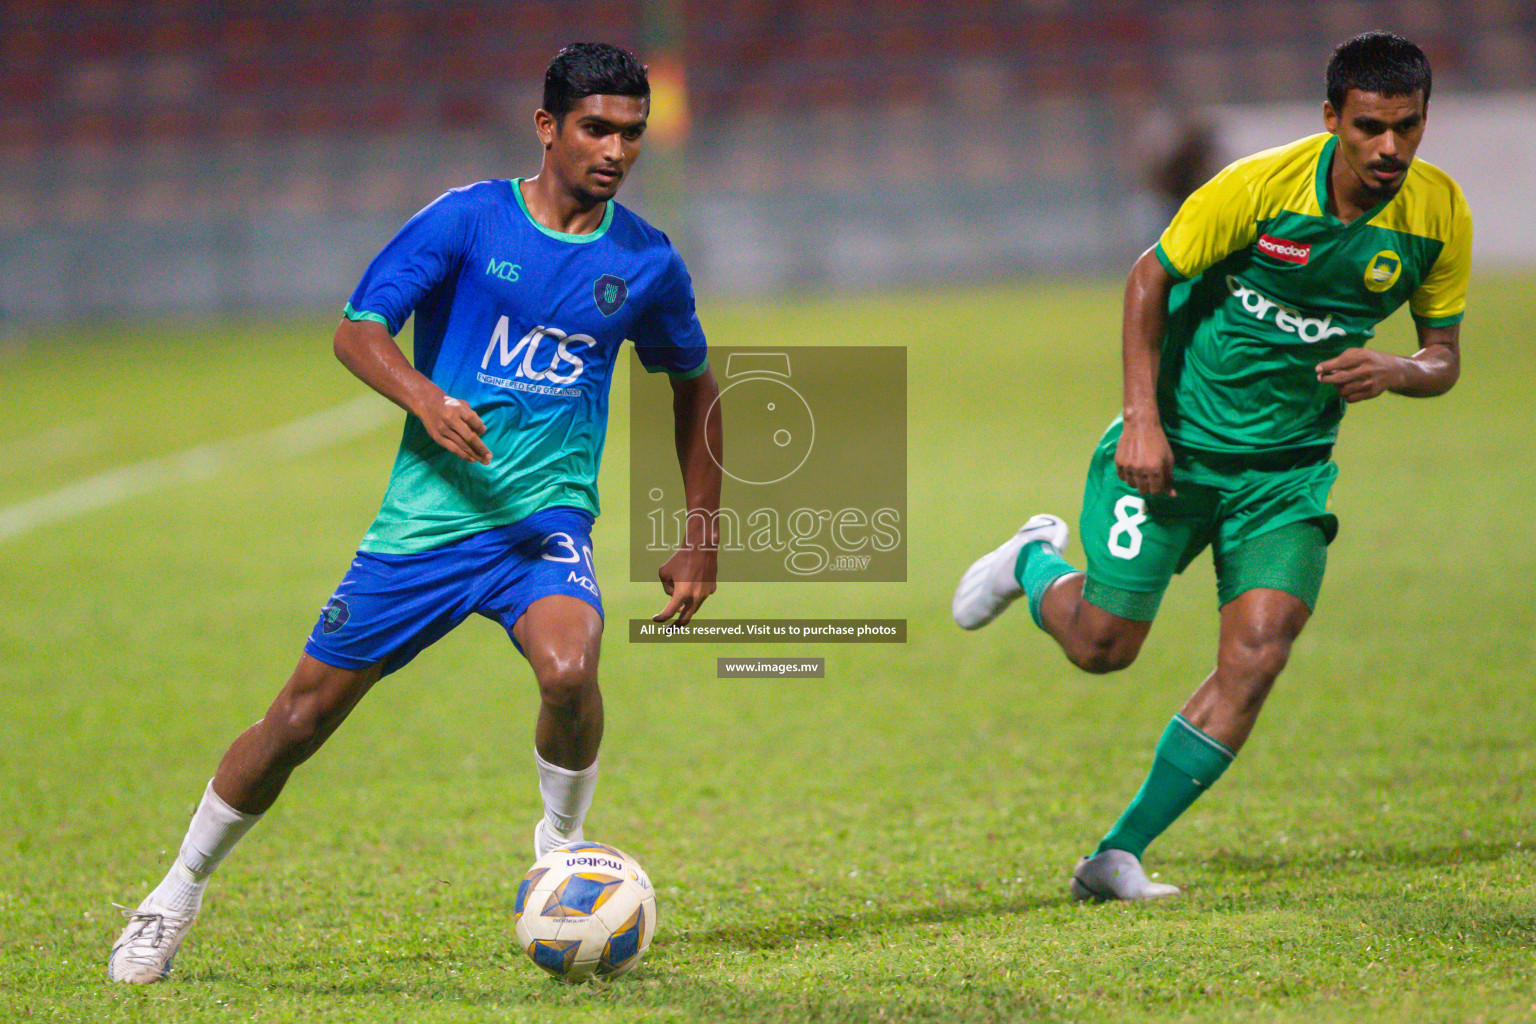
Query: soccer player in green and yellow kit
{"type": "Point", "coordinates": [1244, 338]}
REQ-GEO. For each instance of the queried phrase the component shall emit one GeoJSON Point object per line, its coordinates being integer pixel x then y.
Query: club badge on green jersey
{"type": "Point", "coordinates": [1383, 270]}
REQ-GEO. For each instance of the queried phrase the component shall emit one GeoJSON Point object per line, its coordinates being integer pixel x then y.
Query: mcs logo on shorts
{"type": "Point", "coordinates": [584, 582]}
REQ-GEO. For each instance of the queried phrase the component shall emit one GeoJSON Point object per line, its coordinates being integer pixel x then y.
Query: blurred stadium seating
{"type": "Point", "coordinates": [226, 154]}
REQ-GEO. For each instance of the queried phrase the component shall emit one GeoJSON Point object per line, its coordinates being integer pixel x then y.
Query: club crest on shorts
{"type": "Point", "coordinates": [609, 293]}
{"type": "Point", "coordinates": [334, 615]}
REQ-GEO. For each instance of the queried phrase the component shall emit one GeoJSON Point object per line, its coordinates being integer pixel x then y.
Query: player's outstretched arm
{"type": "Point", "coordinates": [1363, 373]}
{"type": "Point", "coordinates": [365, 348]}
{"type": "Point", "coordinates": [1143, 458]}
{"type": "Point", "coordinates": [688, 576]}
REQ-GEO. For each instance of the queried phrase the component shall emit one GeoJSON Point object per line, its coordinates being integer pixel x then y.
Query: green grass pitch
{"type": "Point", "coordinates": [889, 843]}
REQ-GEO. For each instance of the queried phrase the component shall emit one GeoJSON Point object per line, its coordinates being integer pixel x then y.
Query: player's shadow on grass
{"type": "Point", "coordinates": [796, 928]}
{"type": "Point", "coordinates": [1480, 851]}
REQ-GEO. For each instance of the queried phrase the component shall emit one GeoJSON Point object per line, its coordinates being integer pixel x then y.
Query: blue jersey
{"type": "Point", "coordinates": [525, 324]}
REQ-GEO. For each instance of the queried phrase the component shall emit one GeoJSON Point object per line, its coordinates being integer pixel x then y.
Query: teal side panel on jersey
{"type": "Point", "coordinates": [435, 498]}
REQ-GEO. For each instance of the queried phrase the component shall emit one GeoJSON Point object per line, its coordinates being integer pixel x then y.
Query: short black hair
{"type": "Point", "coordinates": [1378, 62]}
{"type": "Point", "coordinates": [591, 69]}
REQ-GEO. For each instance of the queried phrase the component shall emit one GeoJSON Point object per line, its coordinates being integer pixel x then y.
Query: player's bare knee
{"type": "Point", "coordinates": [299, 724]}
{"type": "Point", "coordinates": [1258, 660]}
{"type": "Point", "coordinates": [1106, 659]}
{"type": "Point", "coordinates": [1105, 647]}
{"type": "Point", "coordinates": [567, 682]}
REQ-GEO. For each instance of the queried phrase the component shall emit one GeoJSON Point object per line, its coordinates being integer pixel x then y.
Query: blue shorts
{"type": "Point", "coordinates": [390, 608]}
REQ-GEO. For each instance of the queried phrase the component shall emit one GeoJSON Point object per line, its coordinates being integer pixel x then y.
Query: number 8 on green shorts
{"type": "Point", "coordinates": [1265, 515]}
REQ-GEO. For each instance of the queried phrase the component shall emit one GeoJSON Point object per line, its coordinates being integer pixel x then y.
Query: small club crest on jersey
{"type": "Point", "coordinates": [1383, 270]}
{"type": "Point", "coordinates": [609, 293]}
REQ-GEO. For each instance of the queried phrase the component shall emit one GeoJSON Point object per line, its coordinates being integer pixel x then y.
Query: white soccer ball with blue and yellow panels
{"type": "Point", "coordinates": [585, 909]}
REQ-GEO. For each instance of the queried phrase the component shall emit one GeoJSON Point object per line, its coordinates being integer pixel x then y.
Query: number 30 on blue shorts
{"type": "Point", "coordinates": [390, 608]}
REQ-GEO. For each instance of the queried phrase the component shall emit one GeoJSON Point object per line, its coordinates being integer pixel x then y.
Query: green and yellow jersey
{"type": "Point", "coordinates": [1270, 284]}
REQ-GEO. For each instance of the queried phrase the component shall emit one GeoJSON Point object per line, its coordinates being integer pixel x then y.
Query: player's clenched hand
{"type": "Point", "coordinates": [455, 426]}
{"type": "Point", "coordinates": [688, 577]}
{"type": "Point", "coordinates": [1144, 459]}
{"type": "Point", "coordinates": [1361, 373]}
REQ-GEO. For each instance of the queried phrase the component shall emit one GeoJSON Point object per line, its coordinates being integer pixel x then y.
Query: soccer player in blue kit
{"type": "Point", "coordinates": [523, 293]}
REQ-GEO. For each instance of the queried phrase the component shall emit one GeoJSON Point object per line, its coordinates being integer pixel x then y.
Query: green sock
{"type": "Point", "coordinates": [1187, 763]}
{"type": "Point", "coordinates": [1038, 566]}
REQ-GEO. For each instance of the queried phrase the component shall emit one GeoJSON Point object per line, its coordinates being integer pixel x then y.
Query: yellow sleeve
{"type": "Point", "coordinates": [1441, 298]}
{"type": "Point", "coordinates": [1218, 219]}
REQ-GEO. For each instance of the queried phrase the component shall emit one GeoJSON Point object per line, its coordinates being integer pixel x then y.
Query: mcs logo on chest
{"type": "Point", "coordinates": [557, 363]}
{"type": "Point", "coordinates": [504, 269]}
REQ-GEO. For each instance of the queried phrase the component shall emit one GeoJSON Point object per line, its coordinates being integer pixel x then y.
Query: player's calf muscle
{"type": "Point", "coordinates": [304, 714]}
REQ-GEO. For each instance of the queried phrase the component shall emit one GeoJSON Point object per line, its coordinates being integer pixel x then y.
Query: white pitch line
{"type": "Point", "coordinates": [301, 437]}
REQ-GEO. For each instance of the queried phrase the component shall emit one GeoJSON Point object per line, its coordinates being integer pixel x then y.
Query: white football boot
{"type": "Point", "coordinates": [1116, 875]}
{"type": "Point", "coordinates": [989, 585]}
{"type": "Point", "coordinates": [144, 951]}
{"type": "Point", "coordinates": [546, 838]}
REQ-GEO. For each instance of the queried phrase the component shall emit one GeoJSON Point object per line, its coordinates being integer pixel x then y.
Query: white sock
{"type": "Point", "coordinates": [216, 828]}
{"type": "Point", "coordinates": [179, 889]}
{"type": "Point", "coordinates": [567, 794]}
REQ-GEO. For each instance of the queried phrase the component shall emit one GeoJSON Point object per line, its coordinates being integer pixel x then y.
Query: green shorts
{"type": "Point", "coordinates": [1265, 516]}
